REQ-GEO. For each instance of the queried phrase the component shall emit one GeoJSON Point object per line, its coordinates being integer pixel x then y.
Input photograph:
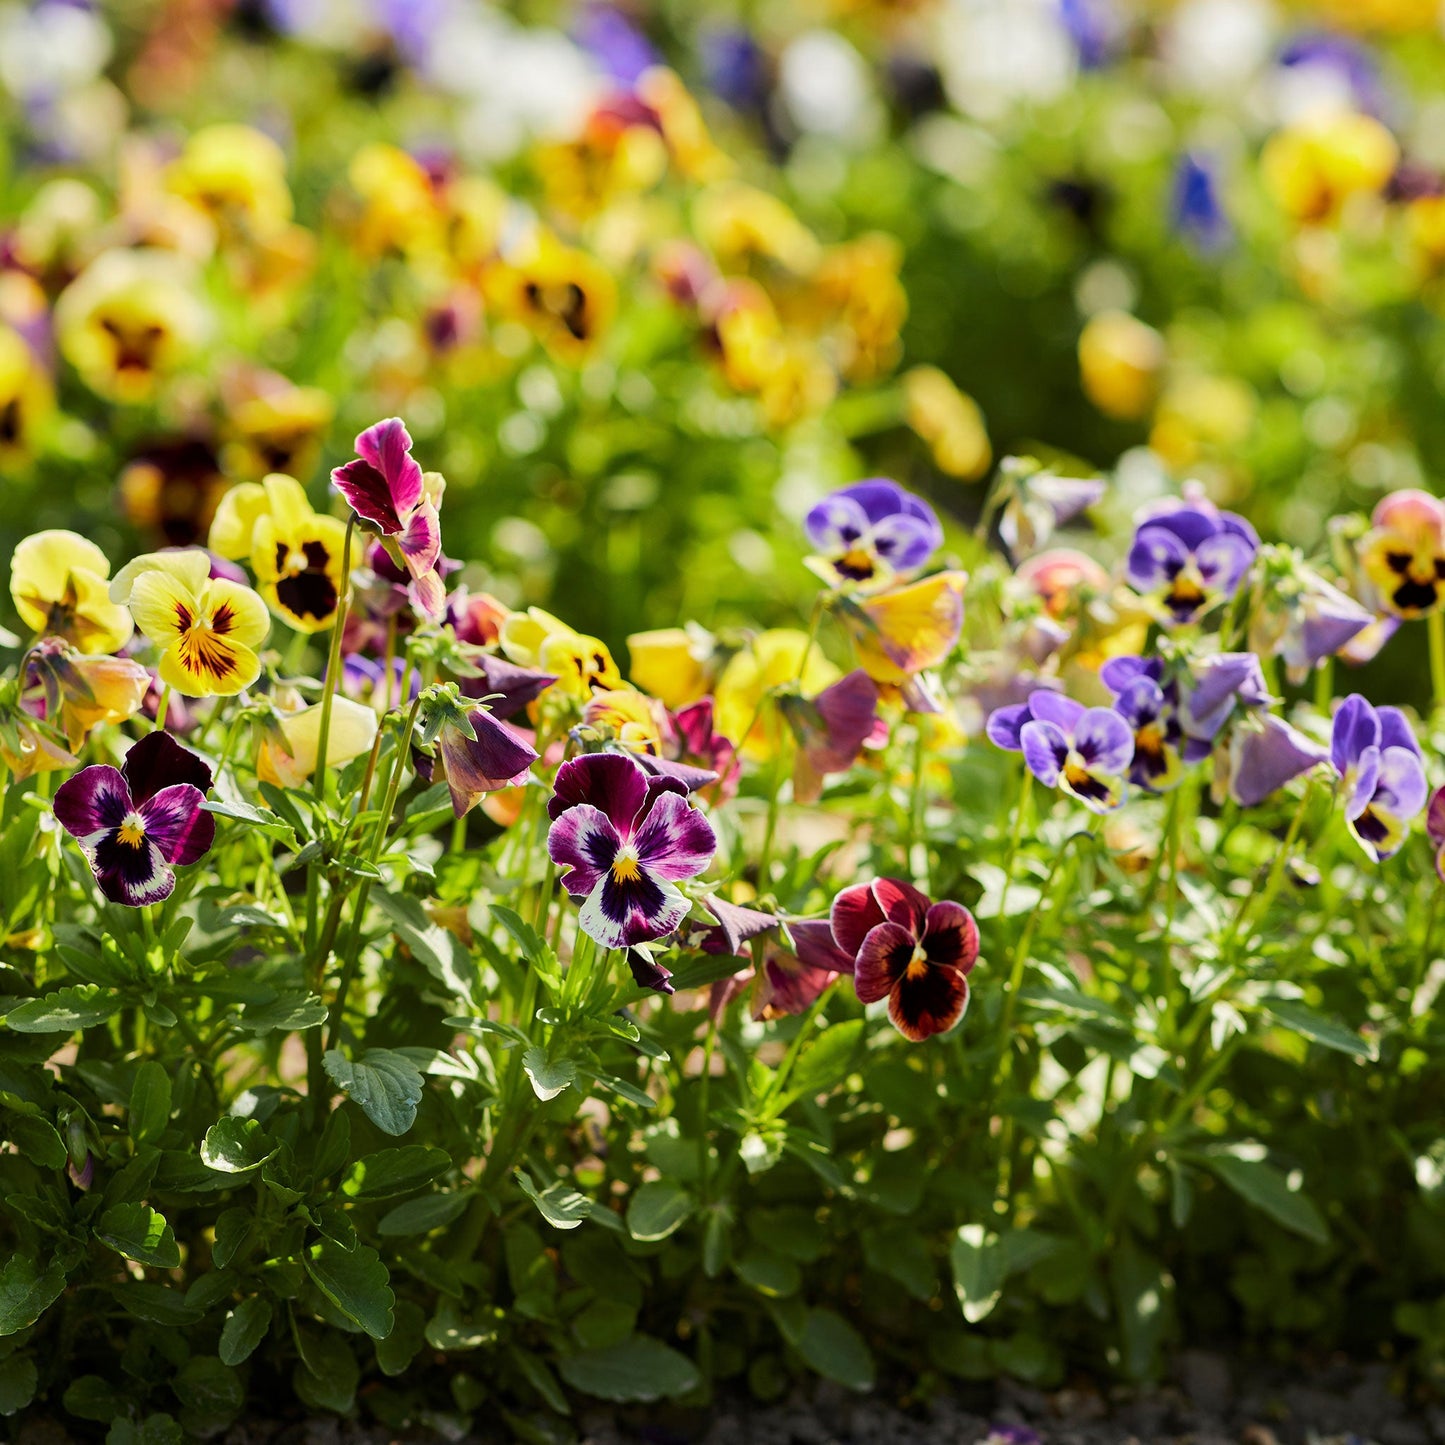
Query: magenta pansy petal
{"type": "Point", "coordinates": [158, 761]}
{"type": "Point", "coordinates": [674, 841]}
{"type": "Point", "coordinates": [367, 494]}
{"type": "Point", "coordinates": [584, 841]}
{"type": "Point", "coordinates": [950, 936]}
{"type": "Point", "coordinates": [421, 541]}
{"type": "Point", "coordinates": [901, 903]}
{"type": "Point", "coordinates": [387, 446]}
{"type": "Point", "coordinates": [93, 801]}
{"type": "Point", "coordinates": [854, 914]}
{"type": "Point", "coordinates": [816, 948]}
{"type": "Point", "coordinates": [612, 782]}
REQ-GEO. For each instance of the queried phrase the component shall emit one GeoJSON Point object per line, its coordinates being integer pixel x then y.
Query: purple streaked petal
{"type": "Point", "coordinates": [1395, 730]}
{"type": "Point", "coordinates": [158, 761]}
{"type": "Point", "coordinates": [620, 913]}
{"type": "Point", "coordinates": [739, 924]}
{"type": "Point", "coordinates": [1104, 740]}
{"type": "Point", "coordinates": [882, 961]}
{"type": "Point", "coordinates": [1004, 725]}
{"type": "Point", "coordinates": [614, 782]}
{"type": "Point", "coordinates": [367, 494]}
{"type": "Point", "coordinates": [1223, 560]}
{"type": "Point", "coordinates": [583, 841]}
{"type": "Point", "coordinates": [905, 542]}
{"type": "Point", "coordinates": [421, 541]}
{"type": "Point", "coordinates": [1265, 758]}
{"type": "Point", "coordinates": [1052, 707]}
{"type": "Point", "coordinates": [1155, 558]}
{"type": "Point", "coordinates": [836, 523]}
{"type": "Point", "coordinates": [1118, 672]}
{"type": "Point", "coordinates": [176, 823]}
{"type": "Point", "coordinates": [1401, 787]}
{"type": "Point", "coordinates": [1140, 702]}
{"type": "Point", "coordinates": [1356, 727]}
{"type": "Point", "coordinates": [132, 874]}
{"type": "Point", "coordinates": [1045, 749]}
{"type": "Point", "coordinates": [387, 447]}
{"type": "Point", "coordinates": [93, 801]}
{"type": "Point", "coordinates": [674, 841]}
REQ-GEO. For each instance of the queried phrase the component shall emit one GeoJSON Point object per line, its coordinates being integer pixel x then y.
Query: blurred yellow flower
{"type": "Point", "coordinates": [26, 397]}
{"type": "Point", "coordinates": [863, 304]}
{"type": "Point", "coordinates": [950, 422]}
{"type": "Point", "coordinates": [582, 664]}
{"type": "Point", "coordinates": [632, 717]}
{"type": "Point", "coordinates": [1121, 363]}
{"type": "Point", "coordinates": [237, 175]}
{"type": "Point", "coordinates": [674, 664]}
{"type": "Point", "coordinates": [130, 318]}
{"type": "Point", "coordinates": [740, 224]}
{"type": "Point", "coordinates": [288, 752]}
{"type": "Point", "coordinates": [774, 659]}
{"type": "Point", "coordinates": [564, 296]}
{"type": "Point", "coordinates": [1200, 415]}
{"type": "Point", "coordinates": [1313, 167]}
{"type": "Point", "coordinates": [273, 426]}
{"type": "Point", "coordinates": [207, 629]}
{"type": "Point", "coordinates": [58, 584]}
{"type": "Point", "coordinates": [904, 632]}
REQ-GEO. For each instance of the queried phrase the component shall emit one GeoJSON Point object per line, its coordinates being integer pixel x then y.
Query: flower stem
{"type": "Point", "coordinates": [162, 708]}
{"type": "Point", "coordinates": [1436, 627]}
{"type": "Point", "coordinates": [331, 681]}
{"type": "Point", "coordinates": [1276, 874]}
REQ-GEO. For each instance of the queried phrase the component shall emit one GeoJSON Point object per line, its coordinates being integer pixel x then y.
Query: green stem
{"type": "Point", "coordinates": [163, 707]}
{"type": "Point", "coordinates": [333, 664]}
{"type": "Point", "coordinates": [1436, 629]}
{"type": "Point", "coordinates": [1276, 874]}
{"type": "Point", "coordinates": [917, 804]}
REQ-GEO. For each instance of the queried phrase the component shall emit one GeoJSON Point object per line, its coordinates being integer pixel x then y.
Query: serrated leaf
{"type": "Point", "coordinates": [384, 1084]}
{"type": "Point", "coordinates": [437, 949]}
{"type": "Point", "coordinates": [80, 1006]}
{"type": "Point", "coordinates": [36, 1138]}
{"type": "Point", "coordinates": [389, 1172]}
{"type": "Point", "coordinates": [235, 1146]}
{"type": "Point", "coordinates": [356, 1282]}
{"type": "Point", "coordinates": [289, 1013]}
{"type": "Point", "coordinates": [559, 1204]}
{"type": "Point", "coordinates": [246, 1326]}
{"type": "Point", "coordinates": [638, 1370]}
{"type": "Point", "coordinates": [139, 1233]}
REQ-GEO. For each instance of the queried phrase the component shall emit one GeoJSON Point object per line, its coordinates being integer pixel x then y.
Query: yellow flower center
{"type": "Point", "coordinates": [132, 830]}
{"type": "Point", "coordinates": [625, 867]}
{"type": "Point", "coordinates": [918, 964]}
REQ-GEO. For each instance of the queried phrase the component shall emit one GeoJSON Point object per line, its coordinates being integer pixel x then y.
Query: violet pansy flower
{"type": "Point", "coordinates": [868, 533]}
{"type": "Point", "coordinates": [626, 839]}
{"type": "Point", "coordinates": [1189, 557]}
{"type": "Point", "coordinates": [1435, 829]}
{"type": "Point", "coordinates": [1086, 751]}
{"type": "Point", "coordinates": [1376, 755]}
{"type": "Point", "coordinates": [136, 822]}
{"type": "Point", "coordinates": [385, 485]}
{"type": "Point", "coordinates": [1152, 713]}
{"type": "Point", "coordinates": [1265, 753]}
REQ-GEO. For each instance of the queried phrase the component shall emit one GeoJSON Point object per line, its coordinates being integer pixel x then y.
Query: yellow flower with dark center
{"type": "Point", "coordinates": [949, 421]}
{"type": "Point", "coordinates": [26, 397]}
{"type": "Point", "coordinates": [129, 319]}
{"type": "Point", "coordinates": [633, 718]}
{"type": "Point", "coordinates": [237, 175]}
{"type": "Point", "coordinates": [563, 295]}
{"type": "Point", "coordinates": [1403, 554]}
{"type": "Point", "coordinates": [58, 583]}
{"type": "Point", "coordinates": [295, 552]}
{"type": "Point", "coordinates": [582, 664]}
{"type": "Point", "coordinates": [778, 658]}
{"type": "Point", "coordinates": [207, 629]}
{"type": "Point", "coordinates": [1313, 168]}
{"type": "Point", "coordinates": [1121, 363]}
{"type": "Point", "coordinates": [397, 205]}
{"type": "Point", "coordinates": [278, 428]}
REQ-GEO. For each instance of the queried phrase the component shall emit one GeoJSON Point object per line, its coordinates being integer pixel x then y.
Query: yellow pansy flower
{"type": "Point", "coordinates": [207, 629]}
{"type": "Point", "coordinates": [1121, 361]}
{"type": "Point", "coordinates": [273, 426]}
{"type": "Point", "coordinates": [287, 756]}
{"type": "Point", "coordinates": [1312, 168]}
{"type": "Point", "coordinates": [633, 718]}
{"type": "Point", "coordinates": [237, 175]}
{"type": "Point", "coordinates": [564, 296]}
{"type": "Point", "coordinates": [904, 632]}
{"type": "Point", "coordinates": [672, 663]}
{"type": "Point", "coordinates": [26, 396]}
{"type": "Point", "coordinates": [775, 659]}
{"type": "Point", "coordinates": [739, 223]}
{"type": "Point", "coordinates": [583, 664]}
{"type": "Point", "coordinates": [58, 583]}
{"type": "Point", "coordinates": [949, 421]}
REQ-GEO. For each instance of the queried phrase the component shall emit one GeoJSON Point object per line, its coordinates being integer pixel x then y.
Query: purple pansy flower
{"type": "Point", "coordinates": [869, 532]}
{"type": "Point", "coordinates": [1265, 753]}
{"type": "Point", "coordinates": [135, 822]}
{"type": "Point", "coordinates": [1375, 753]}
{"type": "Point", "coordinates": [615, 43]}
{"type": "Point", "coordinates": [1151, 708]}
{"type": "Point", "coordinates": [626, 839]}
{"type": "Point", "coordinates": [1086, 751]}
{"type": "Point", "coordinates": [831, 730]}
{"type": "Point", "coordinates": [1094, 27]}
{"type": "Point", "coordinates": [1435, 829]}
{"type": "Point", "coordinates": [386, 486]}
{"type": "Point", "coordinates": [495, 756]}
{"type": "Point", "coordinates": [1189, 557]}
{"type": "Point", "coordinates": [1216, 686]}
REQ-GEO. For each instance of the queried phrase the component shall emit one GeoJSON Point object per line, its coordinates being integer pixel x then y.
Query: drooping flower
{"type": "Point", "coordinates": [797, 966]}
{"type": "Point", "coordinates": [626, 840]}
{"type": "Point", "coordinates": [914, 953]}
{"type": "Point", "coordinates": [1435, 829]}
{"type": "Point", "coordinates": [387, 487]}
{"type": "Point", "coordinates": [1403, 554]}
{"type": "Point", "coordinates": [869, 533]}
{"type": "Point", "coordinates": [58, 584]}
{"type": "Point", "coordinates": [208, 629]}
{"type": "Point", "coordinates": [136, 822]}
{"type": "Point", "coordinates": [1085, 751]}
{"type": "Point", "coordinates": [78, 692]}
{"type": "Point", "coordinates": [1378, 760]}
{"type": "Point", "coordinates": [295, 552]}
{"type": "Point", "coordinates": [479, 755]}
{"type": "Point", "coordinates": [1265, 753]}
{"type": "Point", "coordinates": [581, 664]}
{"type": "Point", "coordinates": [1302, 619]}
{"type": "Point", "coordinates": [288, 753]}
{"type": "Point", "coordinates": [1190, 556]}
{"type": "Point", "coordinates": [1038, 501]}
{"type": "Point", "coordinates": [831, 730]}
{"type": "Point", "coordinates": [697, 743]}
{"type": "Point", "coordinates": [745, 698]}
{"type": "Point", "coordinates": [904, 632]}
{"type": "Point", "coordinates": [1213, 688]}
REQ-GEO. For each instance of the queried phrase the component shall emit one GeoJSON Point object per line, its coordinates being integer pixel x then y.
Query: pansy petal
{"type": "Point", "coordinates": [855, 912]}
{"type": "Point", "coordinates": [1401, 784]}
{"type": "Point", "coordinates": [612, 782]}
{"type": "Point", "coordinates": [176, 823]}
{"type": "Point", "coordinates": [1223, 560]}
{"type": "Point", "coordinates": [583, 841]}
{"type": "Point", "coordinates": [1140, 702]}
{"type": "Point", "coordinates": [882, 961]}
{"type": "Point", "coordinates": [368, 495]}
{"type": "Point", "coordinates": [836, 523]}
{"type": "Point", "coordinates": [93, 801]}
{"type": "Point", "coordinates": [421, 541]}
{"type": "Point", "coordinates": [621, 912]}
{"type": "Point", "coordinates": [1356, 727]}
{"type": "Point", "coordinates": [1155, 558]}
{"type": "Point", "coordinates": [158, 761]}
{"type": "Point", "coordinates": [1104, 740]}
{"type": "Point", "coordinates": [1052, 707]}
{"type": "Point", "coordinates": [1395, 730]}
{"type": "Point", "coordinates": [901, 903]}
{"type": "Point", "coordinates": [816, 947]}
{"type": "Point", "coordinates": [928, 1003]}
{"type": "Point", "coordinates": [1045, 750]}
{"type": "Point", "coordinates": [131, 873]}
{"type": "Point", "coordinates": [1265, 758]}
{"type": "Point", "coordinates": [905, 542]}
{"type": "Point", "coordinates": [1435, 818]}
{"type": "Point", "coordinates": [674, 841]}
{"type": "Point", "coordinates": [1004, 724]}
{"type": "Point", "coordinates": [950, 936]}
{"type": "Point", "coordinates": [789, 986]}
{"type": "Point", "coordinates": [202, 665]}
{"type": "Point", "coordinates": [739, 924]}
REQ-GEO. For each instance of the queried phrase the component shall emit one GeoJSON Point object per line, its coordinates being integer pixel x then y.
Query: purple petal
{"type": "Point", "coordinates": [621, 912]}
{"type": "Point", "coordinates": [367, 494]}
{"type": "Point", "coordinates": [93, 801]}
{"type": "Point", "coordinates": [613, 782]}
{"type": "Point", "coordinates": [1140, 702]}
{"type": "Point", "coordinates": [583, 841]}
{"type": "Point", "coordinates": [158, 761]}
{"type": "Point", "coordinates": [674, 841]}
{"type": "Point", "coordinates": [176, 824]}
{"type": "Point", "coordinates": [133, 874]}
{"type": "Point", "coordinates": [1155, 558]}
{"type": "Point", "coordinates": [1052, 707]}
{"type": "Point", "coordinates": [517, 686]}
{"type": "Point", "coordinates": [836, 523]}
{"type": "Point", "coordinates": [1045, 749]}
{"type": "Point", "coordinates": [685, 775]}
{"type": "Point", "coordinates": [1104, 740]}
{"type": "Point", "coordinates": [495, 758]}
{"type": "Point", "coordinates": [647, 973]}
{"type": "Point", "coordinates": [1004, 725]}
{"type": "Point", "coordinates": [1364, 776]}
{"type": "Point", "coordinates": [816, 947]}
{"type": "Point", "coordinates": [1118, 672]}
{"type": "Point", "coordinates": [1223, 560]}
{"type": "Point", "coordinates": [421, 541]}
{"type": "Point", "coordinates": [878, 497]}
{"type": "Point", "coordinates": [1266, 757]}
{"type": "Point", "coordinates": [1356, 727]}
{"type": "Point", "coordinates": [739, 924]}
{"type": "Point", "coordinates": [1435, 818]}
{"type": "Point", "coordinates": [387, 446]}
{"type": "Point", "coordinates": [905, 542]}
{"type": "Point", "coordinates": [1401, 787]}
{"type": "Point", "coordinates": [1219, 683]}
{"type": "Point", "coordinates": [1395, 730]}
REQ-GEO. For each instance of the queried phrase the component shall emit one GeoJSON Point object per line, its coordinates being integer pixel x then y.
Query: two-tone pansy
{"type": "Point", "coordinates": [137, 822]}
{"type": "Point", "coordinates": [915, 953]}
{"type": "Point", "coordinates": [1403, 554]}
{"type": "Point", "coordinates": [1084, 751]}
{"type": "Point", "coordinates": [477, 751]}
{"type": "Point", "coordinates": [76, 691]}
{"type": "Point", "coordinates": [59, 587]}
{"type": "Point", "coordinates": [868, 533]}
{"type": "Point", "coordinates": [906, 631]}
{"type": "Point", "coordinates": [581, 664]}
{"type": "Point", "coordinates": [1382, 774]}
{"type": "Point", "coordinates": [1188, 557]}
{"type": "Point", "coordinates": [1149, 704]}
{"type": "Point", "coordinates": [626, 838]}
{"type": "Point", "coordinates": [207, 628]}
{"type": "Point", "coordinates": [386, 486]}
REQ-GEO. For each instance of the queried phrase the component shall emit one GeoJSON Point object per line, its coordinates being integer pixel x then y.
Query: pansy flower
{"type": "Point", "coordinates": [1378, 760]}
{"type": "Point", "coordinates": [564, 296]}
{"type": "Point", "coordinates": [1189, 557]}
{"type": "Point", "coordinates": [1435, 829]}
{"type": "Point", "coordinates": [949, 420]}
{"type": "Point", "coordinates": [1195, 207]}
{"type": "Point", "coordinates": [1403, 554]}
{"type": "Point", "coordinates": [1086, 751]}
{"type": "Point", "coordinates": [870, 532]}
{"type": "Point", "coordinates": [908, 630]}
{"type": "Point", "coordinates": [675, 664]}
{"type": "Point", "coordinates": [795, 968]}
{"type": "Point", "coordinates": [58, 584]}
{"type": "Point", "coordinates": [290, 748]}
{"type": "Point", "coordinates": [480, 754]}
{"type": "Point", "coordinates": [625, 840]}
{"type": "Point", "coordinates": [1265, 753]}
{"type": "Point", "coordinates": [1302, 619]}
{"type": "Point", "coordinates": [914, 953]}
{"type": "Point", "coordinates": [1150, 707]}
{"type": "Point", "coordinates": [136, 822]}
{"type": "Point", "coordinates": [386, 486]}
{"type": "Point", "coordinates": [78, 692]}
{"type": "Point", "coordinates": [581, 664]}
{"type": "Point", "coordinates": [746, 692]}
{"type": "Point", "coordinates": [169, 489]}
{"type": "Point", "coordinates": [831, 730]}
{"type": "Point", "coordinates": [207, 629]}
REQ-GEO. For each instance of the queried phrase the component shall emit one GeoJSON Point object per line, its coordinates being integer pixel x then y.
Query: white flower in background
{"type": "Point", "coordinates": [994, 54]}
{"type": "Point", "coordinates": [827, 89]}
{"type": "Point", "coordinates": [50, 49]}
{"type": "Point", "coordinates": [1214, 45]}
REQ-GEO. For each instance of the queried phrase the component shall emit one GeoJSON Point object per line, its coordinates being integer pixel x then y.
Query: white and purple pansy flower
{"type": "Point", "coordinates": [1190, 557]}
{"type": "Point", "coordinates": [136, 822]}
{"type": "Point", "coordinates": [626, 839]}
{"type": "Point", "coordinates": [1150, 705]}
{"type": "Point", "coordinates": [870, 532]}
{"type": "Point", "coordinates": [1086, 751]}
{"type": "Point", "coordinates": [1376, 755]}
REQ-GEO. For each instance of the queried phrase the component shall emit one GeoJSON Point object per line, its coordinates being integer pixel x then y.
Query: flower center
{"type": "Point", "coordinates": [918, 964]}
{"type": "Point", "coordinates": [625, 867]}
{"type": "Point", "coordinates": [132, 830]}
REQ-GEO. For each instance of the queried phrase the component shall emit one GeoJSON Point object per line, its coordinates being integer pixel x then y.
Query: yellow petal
{"type": "Point", "coordinates": [163, 605]}
{"type": "Point", "coordinates": [246, 614]}
{"type": "Point", "coordinates": [235, 522]}
{"type": "Point", "coordinates": [286, 499]}
{"type": "Point", "coordinates": [190, 569]}
{"type": "Point", "coordinates": [353, 730]}
{"type": "Point", "coordinates": [913, 628]}
{"type": "Point", "coordinates": [207, 664]}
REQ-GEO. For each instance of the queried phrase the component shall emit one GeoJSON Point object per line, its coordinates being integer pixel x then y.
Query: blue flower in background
{"type": "Point", "coordinates": [736, 67]}
{"type": "Point", "coordinates": [1094, 27]}
{"type": "Point", "coordinates": [1339, 63]}
{"type": "Point", "coordinates": [618, 46]}
{"type": "Point", "coordinates": [1195, 209]}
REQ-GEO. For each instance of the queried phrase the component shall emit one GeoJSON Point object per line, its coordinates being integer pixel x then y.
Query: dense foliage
{"type": "Point", "coordinates": [597, 902]}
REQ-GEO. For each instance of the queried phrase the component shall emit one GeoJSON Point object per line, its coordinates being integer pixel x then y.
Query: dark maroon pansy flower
{"type": "Point", "coordinates": [914, 953]}
{"type": "Point", "coordinates": [135, 822]}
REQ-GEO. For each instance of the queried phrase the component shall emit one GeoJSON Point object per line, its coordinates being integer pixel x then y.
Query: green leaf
{"type": "Point", "coordinates": [437, 949]}
{"type": "Point", "coordinates": [81, 1006]}
{"type": "Point", "coordinates": [92, 1398]}
{"type": "Point", "coordinates": [657, 1210]}
{"type": "Point", "coordinates": [386, 1085]}
{"type": "Point", "coordinates": [157, 1429]}
{"type": "Point", "coordinates": [327, 1377]}
{"type": "Point", "coordinates": [522, 933]}
{"type": "Point", "coordinates": [1328, 1033]}
{"type": "Point", "coordinates": [246, 1326]}
{"type": "Point", "coordinates": [548, 1077]}
{"type": "Point", "coordinates": [835, 1350]}
{"type": "Point", "coordinates": [150, 1103]}
{"type": "Point", "coordinates": [139, 1233]}
{"type": "Point", "coordinates": [157, 1304]}
{"type": "Point", "coordinates": [389, 1172]}
{"type": "Point", "coordinates": [421, 1216]}
{"type": "Point", "coordinates": [211, 1392]}
{"type": "Point", "coordinates": [1243, 1167]}
{"type": "Point", "coordinates": [827, 1060]}
{"type": "Point", "coordinates": [559, 1204]}
{"type": "Point", "coordinates": [356, 1282]}
{"type": "Point", "coordinates": [36, 1138]}
{"type": "Point", "coordinates": [1139, 1296]}
{"type": "Point", "coordinates": [235, 1146]}
{"type": "Point", "coordinates": [18, 1379]}
{"type": "Point", "coordinates": [978, 1271]}
{"type": "Point", "coordinates": [638, 1370]}
{"type": "Point", "coordinates": [290, 1012]}
{"type": "Point", "coordinates": [773, 1275]}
